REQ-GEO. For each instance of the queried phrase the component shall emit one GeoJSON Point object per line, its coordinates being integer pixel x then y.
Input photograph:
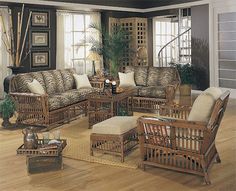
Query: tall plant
{"type": "Point", "coordinates": [112, 47]}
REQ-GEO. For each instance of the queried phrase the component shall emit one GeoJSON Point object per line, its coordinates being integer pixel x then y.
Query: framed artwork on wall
{"type": "Point", "coordinates": [40, 59]}
{"type": "Point", "coordinates": [40, 38]}
{"type": "Point", "coordinates": [40, 19]}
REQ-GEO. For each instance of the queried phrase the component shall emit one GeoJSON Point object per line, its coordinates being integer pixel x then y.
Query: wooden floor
{"type": "Point", "coordinates": [79, 175]}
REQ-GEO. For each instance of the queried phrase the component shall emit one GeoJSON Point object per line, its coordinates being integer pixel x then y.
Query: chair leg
{"type": "Point", "coordinates": [218, 158]}
{"type": "Point", "coordinates": [207, 178]}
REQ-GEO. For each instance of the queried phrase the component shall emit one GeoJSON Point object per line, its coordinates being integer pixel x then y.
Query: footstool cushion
{"type": "Point", "coordinates": [116, 125]}
{"type": "Point", "coordinates": [116, 135]}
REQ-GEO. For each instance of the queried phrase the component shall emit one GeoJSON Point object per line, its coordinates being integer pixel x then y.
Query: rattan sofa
{"type": "Point", "coordinates": [180, 144]}
{"type": "Point", "coordinates": [154, 86]}
{"type": "Point", "coordinates": [61, 103]}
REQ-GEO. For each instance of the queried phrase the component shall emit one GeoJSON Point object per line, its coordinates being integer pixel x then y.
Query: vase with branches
{"type": "Point", "coordinates": [14, 46]}
{"type": "Point", "coordinates": [112, 47]}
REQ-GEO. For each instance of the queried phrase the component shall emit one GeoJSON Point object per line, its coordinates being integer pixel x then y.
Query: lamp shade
{"type": "Point", "coordinates": [94, 56]}
{"type": "Point", "coordinates": [142, 52]}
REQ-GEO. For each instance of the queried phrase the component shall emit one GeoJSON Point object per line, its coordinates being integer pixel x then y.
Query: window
{"type": "Point", "coordinates": [164, 31]}
{"type": "Point", "coordinates": [74, 29]}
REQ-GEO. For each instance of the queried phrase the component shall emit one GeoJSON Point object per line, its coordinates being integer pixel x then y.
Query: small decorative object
{"type": "Point", "coordinates": [30, 138]}
{"type": "Point", "coordinates": [40, 59]}
{"type": "Point", "coordinates": [40, 19]}
{"type": "Point", "coordinates": [7, 109]}
{"type": "Point", "coordinates": [39, 38]}
{"type": "Point", "coordinates": [107, 84]}
{"type": "Point", "coordinates": [113, 87]}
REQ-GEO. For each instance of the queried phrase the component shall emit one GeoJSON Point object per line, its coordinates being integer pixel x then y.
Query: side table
{"type": "Point", "coordinates": [41, 159]}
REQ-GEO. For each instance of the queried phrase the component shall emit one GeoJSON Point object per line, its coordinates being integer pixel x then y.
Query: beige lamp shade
{"type": "Point", "coordinates": [94, 56]}
{"type": "Point", "coordinates": [142, 52]}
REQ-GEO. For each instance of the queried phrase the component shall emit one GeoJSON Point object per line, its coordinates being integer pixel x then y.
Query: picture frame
{"type": "Point", "coordinates": [40, 59]}
{"type": "Point", "coordinates": [40, 38]}
{"type": "Point", "coordinates": [40, 19]}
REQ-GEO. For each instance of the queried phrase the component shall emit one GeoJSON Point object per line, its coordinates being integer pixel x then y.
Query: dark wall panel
{"type": "Point", "coordinates": [200, 44]}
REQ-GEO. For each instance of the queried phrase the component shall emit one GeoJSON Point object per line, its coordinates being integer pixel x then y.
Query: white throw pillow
{"type": "Point", "coordinates": [82, 81]}
{"type": "Point", "coordinates": [126, 79]}
{"type": "Point", "coordinates": [35, 87]}
{"type": "Point", "coordinates": [202, 107]}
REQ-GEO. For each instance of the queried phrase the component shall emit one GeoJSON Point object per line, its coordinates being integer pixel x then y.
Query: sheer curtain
{"type": "Point", "coordinates": [67, 39]}
{"type": "Point", "coordinates": [4, 56]}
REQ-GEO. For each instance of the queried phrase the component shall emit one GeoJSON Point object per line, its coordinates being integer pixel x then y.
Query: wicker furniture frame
{"type": "Point", "coordinates": [119, 145]}
{"type": "Point", "coordinates": [102, 106]}
{"type": "Point", "coordinates": [177, 144]}
{"type": "Point", "coordinates": [33, 109]}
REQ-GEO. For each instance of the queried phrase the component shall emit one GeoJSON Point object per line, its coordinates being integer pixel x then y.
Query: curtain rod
{"type": "Point", "coordinates": [76, 11]}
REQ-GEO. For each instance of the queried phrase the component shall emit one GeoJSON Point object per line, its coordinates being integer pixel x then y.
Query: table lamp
{"type": "Point", "coordinates": [93, 56]}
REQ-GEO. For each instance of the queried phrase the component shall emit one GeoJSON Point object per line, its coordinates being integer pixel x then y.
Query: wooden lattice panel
{"type": "Point", "coordinates": [137, 33]}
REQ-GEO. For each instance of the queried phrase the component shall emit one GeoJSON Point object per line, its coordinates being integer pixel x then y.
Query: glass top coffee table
{"type": "Point", "coordinates": [102, 105]}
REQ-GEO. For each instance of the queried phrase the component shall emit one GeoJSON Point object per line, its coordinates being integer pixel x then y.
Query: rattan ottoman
{"type": "Point", "coordinates": [116, 136]}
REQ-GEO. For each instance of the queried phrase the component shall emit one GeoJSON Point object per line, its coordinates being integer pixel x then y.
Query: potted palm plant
{"type": "Point", "coordinates": [7, 109]}
{"type": "Point", "coordinates": [112, 47]}
{"type": "Point", "coordinates": [187, 77]}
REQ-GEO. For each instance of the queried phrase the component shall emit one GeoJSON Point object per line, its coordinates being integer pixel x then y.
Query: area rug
{"type": "Point", "coordinates": [77, 135]}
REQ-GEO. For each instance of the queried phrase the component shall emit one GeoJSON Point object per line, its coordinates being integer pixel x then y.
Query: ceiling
{"type": "Point", "coordinates": [141, 4]}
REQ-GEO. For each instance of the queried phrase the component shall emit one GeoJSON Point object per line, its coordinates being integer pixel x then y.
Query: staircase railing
{"type": "Point", "coordinates": [164, 62]}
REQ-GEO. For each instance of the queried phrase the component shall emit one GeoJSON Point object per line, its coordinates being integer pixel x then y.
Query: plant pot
{"type": "Point", "coordinates": [185, 89]}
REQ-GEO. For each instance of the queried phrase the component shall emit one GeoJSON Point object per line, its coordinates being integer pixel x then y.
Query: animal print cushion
{"type": "Point", "coordinates": [167, 76]}
{"type": "Point", "coordinates": [59, 81]}
{"type": "Point", "coordinates": [140, 74]}
{"type": "Point", "coordinates": [21, 82]}
{"type": "Point", "coordinates": [68, 79]}
{"type": "Point", "coordinates": [51, 85]}
{"type": "Point", "coordinates": [153, 91]}
{"type": "Point", "coordinates": [153, 76]}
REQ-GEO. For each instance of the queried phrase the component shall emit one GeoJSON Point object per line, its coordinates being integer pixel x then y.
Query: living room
{"type": "Point", "coordinates": [117, 95]}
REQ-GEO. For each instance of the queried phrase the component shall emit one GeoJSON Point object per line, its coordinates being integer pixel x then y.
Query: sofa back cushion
{"type": "Point", "coordinates": [167, 75]}
{"type": "Point", "coordinates": [68, 79]}
{"type": "Point", "coordinates": [39, 77]}
{"type": "Point", "coordinates": [50, 82]}
{"type": "Point", "coordinates": [59, 81]}
{"type": "Point", "coordinates": [140, 74]}
{"type": "Point", "coordinates": [153, 76]}
{"type": "Point", "coordinates": [21, 81]}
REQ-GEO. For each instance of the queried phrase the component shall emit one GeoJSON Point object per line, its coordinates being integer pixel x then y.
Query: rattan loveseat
{"type": "Point", "coordinates": [181, 144]}
{"type": "Point", "coordinates": [61, 103]}
{"type": "Point", "coordinates": [154, 86]}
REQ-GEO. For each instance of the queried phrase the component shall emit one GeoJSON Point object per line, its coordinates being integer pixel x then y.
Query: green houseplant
{"type": "Point", "coordinates": [7, 109]}
{"type": "Point", "coordinates": [112, 47]}
{"type": "Point", "coordinates": [187, 77]}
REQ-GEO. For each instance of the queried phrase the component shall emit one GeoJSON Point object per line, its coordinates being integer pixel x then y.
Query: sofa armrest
{"type": "Point", "coordinates": [28, 104]}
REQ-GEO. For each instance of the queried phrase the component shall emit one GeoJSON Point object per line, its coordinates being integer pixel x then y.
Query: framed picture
{"type": "Point", "coordinates": [40, 19]}
{"type": "Point", "coordinates": [40, 39]}
{"type": "Point", "coordinates": [40, 59]}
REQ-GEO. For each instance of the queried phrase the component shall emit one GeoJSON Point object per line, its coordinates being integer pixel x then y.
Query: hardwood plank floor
{"type": "Point", "coordinates": [80, 175]}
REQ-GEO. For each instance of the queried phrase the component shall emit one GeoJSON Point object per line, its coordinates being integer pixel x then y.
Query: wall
{"type": "Point", "coordinates": [27, 58]}
{"type": "Point", "coordinates": [200, 44]}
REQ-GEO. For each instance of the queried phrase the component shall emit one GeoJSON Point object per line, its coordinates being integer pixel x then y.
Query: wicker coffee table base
{"type": "Point", "coordinates": [119, 145]}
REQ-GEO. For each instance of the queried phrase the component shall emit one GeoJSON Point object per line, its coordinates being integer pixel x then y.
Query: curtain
{"type": "Point", "coordinates": [4, 55]}
{"type": "Point", "coordinates": [65, 38]}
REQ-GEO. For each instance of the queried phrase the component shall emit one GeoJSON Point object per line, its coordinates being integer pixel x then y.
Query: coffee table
{"type": "Point", "coordinates": [102, 106]}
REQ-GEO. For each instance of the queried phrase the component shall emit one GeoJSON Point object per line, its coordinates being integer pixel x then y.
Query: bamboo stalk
{"type": "Point", "coordinates": [26, 32]}
{"type": "Point", "coordinates": [6, 43]}
{"type": "Point", "coordinates": [12, 38]}
{"type": "Point", "coordinates": [18, 40]}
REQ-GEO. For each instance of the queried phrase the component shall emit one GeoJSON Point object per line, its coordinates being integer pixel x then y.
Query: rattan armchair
{"type": "Point", "coordinates": [179, 144]}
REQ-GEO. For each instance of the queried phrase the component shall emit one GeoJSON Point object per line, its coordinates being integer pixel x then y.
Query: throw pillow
{"type": "Point", "coordinates": [214, 91]}
{"type": "Point", "coordinates": [202, 107]}
{"type": "Point", "coordinates": [126, 79]}
{"type": "Point", "coordinates": [35, 87]}
{"type": "Point", "coordinates": [82, 81]}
